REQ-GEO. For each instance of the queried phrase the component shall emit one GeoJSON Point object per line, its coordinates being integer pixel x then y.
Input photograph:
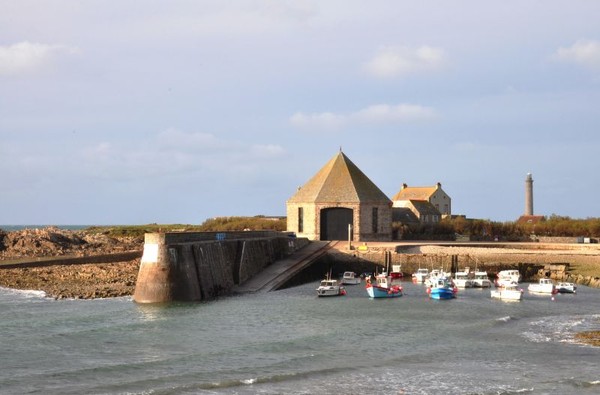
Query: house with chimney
{"type": "Point", "coordinates": [424, 205]}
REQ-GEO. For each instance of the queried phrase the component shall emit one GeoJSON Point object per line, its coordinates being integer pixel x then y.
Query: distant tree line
{"type": "Point", "coordinates": [217, 224]}
{"type": "Point", "coordinates": [480, 229]}
{"type": "Point", "coordinates": [259, 222]}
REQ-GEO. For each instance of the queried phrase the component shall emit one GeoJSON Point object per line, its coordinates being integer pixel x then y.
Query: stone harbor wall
{"type": "Point", "coordinates": [193, 267]}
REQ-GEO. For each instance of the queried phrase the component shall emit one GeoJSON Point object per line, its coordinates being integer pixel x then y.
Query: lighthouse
{"type": "Point", "coordinates": [529, 195]}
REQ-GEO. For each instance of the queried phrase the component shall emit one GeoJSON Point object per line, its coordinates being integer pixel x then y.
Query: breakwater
{"type": "Point", "coordinates": [194, 266]}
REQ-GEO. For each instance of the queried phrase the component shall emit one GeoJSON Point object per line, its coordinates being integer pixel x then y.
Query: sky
{"type": "Point", "coordinates": [137, 112]}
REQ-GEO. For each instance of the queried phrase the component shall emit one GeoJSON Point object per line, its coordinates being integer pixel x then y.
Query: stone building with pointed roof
{"type": "Point", "coordinates": [339, 195]}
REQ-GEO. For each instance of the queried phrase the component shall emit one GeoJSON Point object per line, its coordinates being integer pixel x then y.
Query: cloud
{"type": "Point", "coordinates": [583, 52]}
{"type": "Point", "coordinates": [25, 57]}
{"type": "Point", "coordinates": [324, 121]}
{"type": "Point", "coordinates": [399, 61]}
{"type": "Point", "coordinates": [377, 113]}
{"type": "Point", "coordinates": [395, 113]}
{"type": "Point", "coordinates": [175, 153]}
{"type": "Point", "coordinates": [167, 155]}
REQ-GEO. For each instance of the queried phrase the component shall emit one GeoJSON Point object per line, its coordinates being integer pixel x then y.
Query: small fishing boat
{"type": "Point", "coordinates": [381, 287]}
{"type": "Point", "coordinates": [508, 277]}
{"type": "Point", "coordinates": [481, 280]}
{"type": "Point", "coordinates": [544, 286]}
{"type": "Point", "coordinates": [566, 288]}
{"type": "Point", "coordinates": [350, 278]}
{"type": "Point", "coordinates": [396, 273]}
{"type": "Point", "coordinates": [507, 292]}
{"type": "Point", "coordinates": [434, 275]}
{"type": "Point", "coordinates": [329, 287]}
{"type": "Point", "coordinates": [442, 288]}
{"type": "Point", "coordinates": [420, 275]}
{"type": "Point", "coordinates": [462, 280]}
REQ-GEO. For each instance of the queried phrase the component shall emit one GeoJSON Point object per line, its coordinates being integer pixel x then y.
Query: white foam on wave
{"type": "Point", "coordinates": [27, 293]}
{"type": "Point", "coordinates": [504, 319]}
{"type": "Point", "coordinates": [249, 381]}
{"type": "Point", "coordinates": [561, 329]}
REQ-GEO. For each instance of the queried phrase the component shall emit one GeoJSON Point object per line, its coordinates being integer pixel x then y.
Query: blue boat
{"type": "Point", "coordinates": [381, 287]}
{"type": "Point", "coordinates": [442, 288]}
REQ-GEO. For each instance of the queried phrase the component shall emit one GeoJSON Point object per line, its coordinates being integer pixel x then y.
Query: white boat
{"type": "Point", "coordinates": [481, 280]}
{"type": "Point", "coordinates": [330, 287]}
{"type": "Point", "coordinates": [420, 275]}
{"type": "Point", "coordinates": [350, 278]}
{"type": "Point", "coordinates": [434, 276]}
{"type": "Point", "coordinates": [507, 292]}
{"type": "Point", "coordinates": [566, 288]}
{"type": "Point", "coordinates": [462, 280]}
{"type": "Point", "coordinates": [508, 277]}
{"type": "Point", "coordinates": [544, 286]}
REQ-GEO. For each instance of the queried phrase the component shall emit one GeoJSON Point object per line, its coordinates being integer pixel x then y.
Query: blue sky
{"type": "Point", "coordinates": [134, 112]}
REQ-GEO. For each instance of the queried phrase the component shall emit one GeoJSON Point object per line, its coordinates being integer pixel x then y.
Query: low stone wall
{"type": "Point", "coordinates": [560, 273]}
{"type": "Point", "coordinates": [201, 266]}
{"type": "Point", "coordinates": [67, 261]}
{"type": "Point", "coordinates": [380, 258]}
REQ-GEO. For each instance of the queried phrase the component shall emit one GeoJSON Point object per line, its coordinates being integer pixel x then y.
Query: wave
{"type": "Point", "coordinates": [560, 329]}
{"type": "Point", "coordinates": [27, 293]}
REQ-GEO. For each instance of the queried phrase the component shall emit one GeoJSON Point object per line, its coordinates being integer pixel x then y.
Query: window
{"type": "Point", "coordinates": [300, 219]}
{"type": "Point", "coordinates": [375, 219]}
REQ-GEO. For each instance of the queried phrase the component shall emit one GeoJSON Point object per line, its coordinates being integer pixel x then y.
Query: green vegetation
{"type": "Point", "coordinates": [218, 224]}
{"type": "Point", "coordinates": [478, 229]}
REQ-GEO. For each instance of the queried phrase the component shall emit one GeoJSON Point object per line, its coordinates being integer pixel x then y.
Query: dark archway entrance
{"type": "Point", "coordinates": [334, 223]}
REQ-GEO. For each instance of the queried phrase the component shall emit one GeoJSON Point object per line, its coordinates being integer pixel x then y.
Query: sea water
{"type": "Point", "coordinates": [292, 342]}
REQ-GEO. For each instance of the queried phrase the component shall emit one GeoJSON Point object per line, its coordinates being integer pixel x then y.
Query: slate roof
{"type": "Point", "coordinates": [340, 180]}
{"type": "Point", "coordinates": [404, 215]}
{"type": "Point", "coordinates": [425, 208]}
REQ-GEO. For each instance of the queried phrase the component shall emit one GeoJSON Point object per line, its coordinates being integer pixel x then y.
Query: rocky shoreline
{"type": "Point", "coordinates": [102, 280]}
{"type": "Point", "coordinates": [77, 281]}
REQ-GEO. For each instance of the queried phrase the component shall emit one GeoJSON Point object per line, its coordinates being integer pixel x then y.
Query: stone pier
{"type": "Point", "coordinates": [195, 266]}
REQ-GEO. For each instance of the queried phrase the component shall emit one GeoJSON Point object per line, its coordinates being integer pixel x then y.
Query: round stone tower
{"type": "Point", "coordinates": [529, 195]}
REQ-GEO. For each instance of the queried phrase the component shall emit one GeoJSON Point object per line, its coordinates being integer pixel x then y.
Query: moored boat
{"type": "Point", "coordinates": [544, 286]}
{"type": "Point", "coordinates": [442, 288]}
{"type": "Point", "coordinates": [420, 275]}
{"type": "Point", "coordinates": [350, 278]}
{"type": "Point", "coordinates": [508, 277]}
{"type": "Point", "coordinates": [462, 280]}
{"type": "Point", "coordinates": [329, 287]}
{"type": "Point", "coordinates": [481, 280]}
{"type": "Point", "coordinates": [381, 287]}
{"type": "Point", "coordinates": [396, 273]}
{"type": "Point", "coordinates": [507, 292]}
{"type": "Point", "coordinates": [566, 288]}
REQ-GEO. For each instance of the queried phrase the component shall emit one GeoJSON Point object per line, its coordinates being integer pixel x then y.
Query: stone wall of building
{"type": "Point", "coordinates": [362, 226]}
